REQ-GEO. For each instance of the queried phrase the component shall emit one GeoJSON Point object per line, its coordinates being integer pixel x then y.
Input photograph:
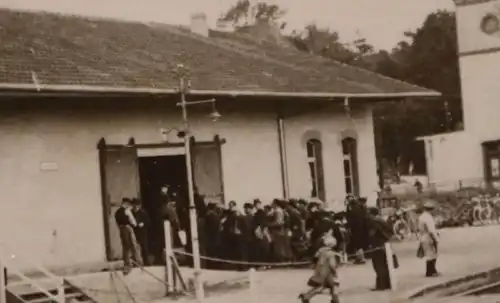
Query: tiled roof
{"type": "Point", "coordinates": [71, 50]}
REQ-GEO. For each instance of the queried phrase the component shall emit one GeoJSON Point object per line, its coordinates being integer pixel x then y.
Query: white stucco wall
{"type": "Point", "coordinates": [453, 158]}
{"type": "Point", "coordinates": [458, 156]}
{"type": "Point", "coordinates": [331, 124]}
{"type": "Point", "coordinates": [56, 216]}
{"type": "Point", "coordinates": [481, 94]}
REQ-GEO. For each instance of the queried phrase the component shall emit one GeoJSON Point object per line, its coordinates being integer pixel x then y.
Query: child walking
{"type": "Point", "coordinates": [325, 272]}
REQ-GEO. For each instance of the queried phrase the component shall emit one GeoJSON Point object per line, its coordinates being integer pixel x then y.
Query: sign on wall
{"type": "Point", "coordinates": [478, 27]}
{"type": "Point", "coordinates": [48, 166]}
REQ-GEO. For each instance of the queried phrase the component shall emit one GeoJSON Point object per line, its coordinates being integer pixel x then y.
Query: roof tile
{"type": "Point", "coordinates": [62, 50]}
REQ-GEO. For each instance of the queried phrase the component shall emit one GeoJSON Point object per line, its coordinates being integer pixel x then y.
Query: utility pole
{"type": "Point", "coordinates": [193, 218]}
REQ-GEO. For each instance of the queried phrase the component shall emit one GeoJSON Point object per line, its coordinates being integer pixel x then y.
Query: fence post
{"type": "Point", "coordinates": [390, 264]}
{"type": "Point", "coordinates": [3, 282]}
{"type": "Point", "coordinates": [61, 297]}
{"type": "Point", "coordinates": [252, 285]}
{"type": "Point", "coordinates": [168, 254]}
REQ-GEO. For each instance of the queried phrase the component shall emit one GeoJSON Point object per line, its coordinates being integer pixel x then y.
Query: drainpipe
{"type": "Point", "coordinates": [283, 157]}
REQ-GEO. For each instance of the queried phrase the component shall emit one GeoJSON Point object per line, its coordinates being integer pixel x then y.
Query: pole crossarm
{"type": "Point", "coordinates": [188, 103]}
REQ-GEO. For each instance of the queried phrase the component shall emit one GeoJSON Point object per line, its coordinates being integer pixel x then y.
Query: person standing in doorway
{"type": "Point", "coordinates": [429, 239]}
{"type": "Point", "coordinates": [170, 214]}
{"type": "Point", "coordinates": [142, 229]}
{"type": "Point", "coordinates": [126, 224]}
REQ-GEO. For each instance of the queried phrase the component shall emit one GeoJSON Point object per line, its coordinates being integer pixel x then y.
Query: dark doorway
{"type": "Point", "coordinates": [155, 172]}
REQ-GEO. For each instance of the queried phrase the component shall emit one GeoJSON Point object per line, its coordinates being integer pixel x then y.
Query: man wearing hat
{"type": "Point", "coordinates": [357, 223]}
{"type": "Point", "coordinates": [379, 233]}
{"type": "Point", "coordinates": [142, 228]}
{"type": "Point", "coordinates": [126, 223]}
{"type": "Point", "coordinates": [429, 239]}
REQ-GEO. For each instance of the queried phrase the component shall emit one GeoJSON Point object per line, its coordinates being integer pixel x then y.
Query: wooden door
{"type": "Point", "coordinates": [207, 171]}
{"type": "Point", "coordinates": [121, 179]}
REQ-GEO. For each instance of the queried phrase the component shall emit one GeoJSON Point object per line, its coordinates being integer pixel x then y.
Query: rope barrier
{"type": "Point", "coordinates": [272, 264]}
{"type": "Point", "coordinates": [141, 267]}
{"type": "Point", "coordinates": [128, 292]}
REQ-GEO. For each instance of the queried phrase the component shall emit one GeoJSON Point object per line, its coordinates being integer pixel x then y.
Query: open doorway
{"type": "Point", "coordinates": [155, 172]}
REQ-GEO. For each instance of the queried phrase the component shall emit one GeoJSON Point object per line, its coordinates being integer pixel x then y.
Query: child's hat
{"type": "Point", "coordinates": [329, 240]}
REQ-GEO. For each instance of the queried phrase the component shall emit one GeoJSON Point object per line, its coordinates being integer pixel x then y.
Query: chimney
{"type": "Point", "coordinates": [199, 24]}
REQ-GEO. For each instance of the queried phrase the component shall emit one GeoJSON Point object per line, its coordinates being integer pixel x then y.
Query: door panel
{"type": "Point", "coordinates": [121, 180]}
{"type": "Point", "coordinates": [207, 172]}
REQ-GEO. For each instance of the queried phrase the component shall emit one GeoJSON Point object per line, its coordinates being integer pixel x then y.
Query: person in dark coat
{"type": "Point", "coordinates": [170, 213]}
{"type": "Point", "coordinates": [278, 232]}
{"type": "Point", "coordinates": [379, 233]}
{"type": "Point", "coordinates": [356, 219]}
{"type": "Point", "coordinates": [261, 233]}
{"type": "Point", "coordinates": [232, 235]}
{"type": "Point", "coordinates": [212, 233]}
{"type": "Point", "coordinates": [142, 229]}
{"type": "Point", "coordinates": [312, 225]}
{"type": "Point", "coordinates": [297, 228]}
{"type": "Point", "coordinates": [247, 233]}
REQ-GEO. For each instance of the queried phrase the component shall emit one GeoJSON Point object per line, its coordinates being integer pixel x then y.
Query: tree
{"type": "Point", "coordinates": [326, 43]}
{"type": "Point", "coordinates": [244, 13]}
{"type": "Point", "coordinates": [428, 59]}
{"type": "Point", "coordinates": [322, 42]}
{"type": "Point", "coordinates": [312, 39]}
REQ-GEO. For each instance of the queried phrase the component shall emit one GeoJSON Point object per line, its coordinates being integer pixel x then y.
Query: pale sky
{"type": "Point", "coordinates": [382, 22]}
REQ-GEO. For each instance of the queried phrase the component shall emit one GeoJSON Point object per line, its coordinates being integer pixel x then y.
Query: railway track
{"type": "Point", "coordinates": [488, 293]}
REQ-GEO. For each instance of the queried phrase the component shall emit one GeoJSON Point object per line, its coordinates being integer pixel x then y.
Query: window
{"type": "Point", "coordinates": [315, 161]}
{"type": "Point", "coordinates": [492, 161]}
{"type": "Point", "coordinates": [350, 161]}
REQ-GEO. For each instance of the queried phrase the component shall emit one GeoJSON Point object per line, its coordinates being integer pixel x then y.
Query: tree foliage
{"type": "Point", "coordinates": [323, 42]}
{"type": "Point", "coordinates": [427, 57]}
{"type": "Point", "coordinates": [244, 13]}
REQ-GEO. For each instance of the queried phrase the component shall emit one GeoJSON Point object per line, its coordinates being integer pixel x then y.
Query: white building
{"type": "Point", "coordinates": [86, 105]}
{"type": "Point", "coordinates": [472, 156]}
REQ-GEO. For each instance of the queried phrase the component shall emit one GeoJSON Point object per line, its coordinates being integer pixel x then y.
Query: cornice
{"type": "Point", "coordinates": [470, 2]}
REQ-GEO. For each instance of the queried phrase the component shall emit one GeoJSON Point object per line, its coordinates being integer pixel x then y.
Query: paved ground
{"type": "Point", "coordinates": [463, 251]}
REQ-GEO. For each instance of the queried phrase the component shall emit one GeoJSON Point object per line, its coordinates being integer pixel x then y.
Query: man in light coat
{"type": "Point", "coordinates": [429, 239]}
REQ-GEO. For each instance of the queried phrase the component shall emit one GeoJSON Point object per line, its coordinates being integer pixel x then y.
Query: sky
{"type": "Point", "coordinates": [381, 22]}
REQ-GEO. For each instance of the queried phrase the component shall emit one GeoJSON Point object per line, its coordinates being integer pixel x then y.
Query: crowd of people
{"type": "Point", "coordinates": [264, 234]}
{"type": "Point", "coordinates": [278, 232]}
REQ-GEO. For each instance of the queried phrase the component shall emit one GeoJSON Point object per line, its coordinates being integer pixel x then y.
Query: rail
{"type": "Point", "coordinates": [7, 261]}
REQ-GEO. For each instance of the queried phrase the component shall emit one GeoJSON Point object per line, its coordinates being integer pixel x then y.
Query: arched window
{"type": "Point", "coordinates": [315, 161]}
{"type": "Point", "coordinates": [350, 157]}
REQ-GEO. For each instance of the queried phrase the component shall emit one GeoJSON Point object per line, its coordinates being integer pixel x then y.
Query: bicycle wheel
{"type": "Point", "coordinates": [401, 229]}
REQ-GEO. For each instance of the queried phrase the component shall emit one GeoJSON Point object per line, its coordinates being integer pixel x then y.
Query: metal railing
{"type": "Point", "coordinates": [8, 261]}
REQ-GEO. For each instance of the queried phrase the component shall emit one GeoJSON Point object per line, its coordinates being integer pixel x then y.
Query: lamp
{"type": "Point", "coordinates": [131, 142]}
{"type": "Point", "coordinates": [214, 115]}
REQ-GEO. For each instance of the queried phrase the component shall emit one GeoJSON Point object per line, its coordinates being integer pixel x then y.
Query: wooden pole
{"type": "Point", "coordinates": [252, 285]}
{"type": "Point", "coordinates": [193, 218]}
{"type": "Point", "coordinates": [3, 282]}
{"type": "Point", "coordinates": [390, 264]}
{"type": "Point", "coordinates": [61, 297]}
{"type": "Point", "coordinates": [168, 254]}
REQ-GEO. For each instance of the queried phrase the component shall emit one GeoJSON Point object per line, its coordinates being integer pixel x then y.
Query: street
{"type": "Point", "coordinates": [463, 251]}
